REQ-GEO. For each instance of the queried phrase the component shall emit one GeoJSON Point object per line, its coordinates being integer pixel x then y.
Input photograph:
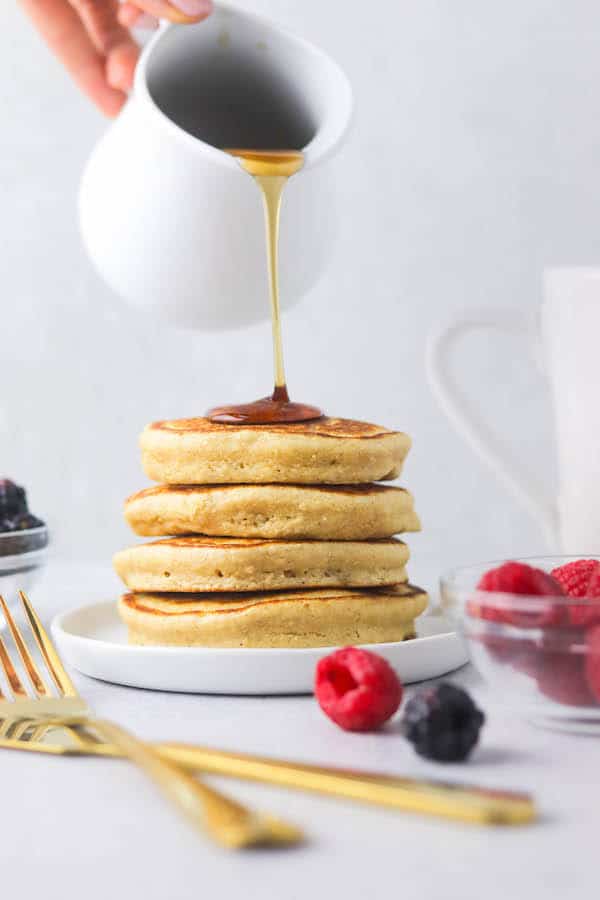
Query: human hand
{"type": "Point", "coordinates": [93, 39]}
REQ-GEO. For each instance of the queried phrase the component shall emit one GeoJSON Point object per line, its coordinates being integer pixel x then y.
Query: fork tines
{"type": "Point", "coordinates": [53, 664]}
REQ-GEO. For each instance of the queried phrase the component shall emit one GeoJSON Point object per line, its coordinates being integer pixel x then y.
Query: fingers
{"type": "Point", "coordinates": [120, 66]}
{"type": "Point", "coordinates": [131, 16]}
{"type": "Point", "coordinates": [146, 13]}
{"type": "Point", "coordinates": [99, 18]}
{"type": "Point", "coordinates": [92, 39]}
{"type": "Point", "coordinates": [176, 10]}
{"type": "Point", "coordinates": [63, 30]}
{"type": "Point", "coordinates": [111, 39]}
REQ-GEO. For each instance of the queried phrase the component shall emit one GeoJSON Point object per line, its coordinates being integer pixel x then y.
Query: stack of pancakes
{"type": "Point", "coordinates": [278, 536]}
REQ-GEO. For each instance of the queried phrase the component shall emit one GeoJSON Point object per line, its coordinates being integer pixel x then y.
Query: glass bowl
{"type": "Point", "coordinates": [538, 655]}
{"type": "Point", "coordinates": [22, 556]}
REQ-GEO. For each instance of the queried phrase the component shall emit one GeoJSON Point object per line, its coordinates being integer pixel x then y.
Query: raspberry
{"type": "Point", "coordinates": [519, 578]}
{"type": "Point", "coordinates": [563, 640]}
{"type": "Point", "coordinates": [519, 654]}
{"type": "Point", "coordinates": [500, 648]}
{"type": "Point", "coordinates": [581, 579]}
{"type": "Point", "coordinates": [442, 723]}
{"type": "Point", "coordinates": [357, 689]}
{"type": "Point", "coordinates": [575, 576]}
{"type": "Point", "coordinates": [527, 659]}
{"type": "Point", "coordinates": [592, 661]}
{"type": "Point", "coordinates": [479, 610]}
{"type": "Point", "coordinates": [562, 678]}
{"type": "Point", "coordinates": [560, 667]}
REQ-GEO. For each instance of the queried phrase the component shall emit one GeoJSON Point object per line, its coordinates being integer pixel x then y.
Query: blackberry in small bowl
{"type": "Point", "coordinates": [23, 540]}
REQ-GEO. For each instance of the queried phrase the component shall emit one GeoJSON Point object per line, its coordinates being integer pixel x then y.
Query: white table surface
{"type": "Point", "coordinates": [94, 828]}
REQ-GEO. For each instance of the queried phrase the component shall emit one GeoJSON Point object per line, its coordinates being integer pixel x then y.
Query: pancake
{"type": "Point", "coordinates": [324, 451]}
{"type": "Point", "coordinates": [245, 564]}
{"type": "Point", "coordinates": [348, 512]}
{"type": "Point", "coordinates": [320, 618]}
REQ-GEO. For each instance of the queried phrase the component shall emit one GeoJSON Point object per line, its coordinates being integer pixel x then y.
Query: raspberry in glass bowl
{"type": "Point", "coordinates": [23, 541]}
{"type": "Point", "coordinates": [533, 631]}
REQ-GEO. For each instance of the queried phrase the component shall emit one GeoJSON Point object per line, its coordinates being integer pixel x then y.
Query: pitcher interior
{"type": "Point", "coordinates": [232, 83]}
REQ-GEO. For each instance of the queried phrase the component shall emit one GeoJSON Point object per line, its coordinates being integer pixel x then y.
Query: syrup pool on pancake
{"type": "Point", "coordinates": [271, 170]}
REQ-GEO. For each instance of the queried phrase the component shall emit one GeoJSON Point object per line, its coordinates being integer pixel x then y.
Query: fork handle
{"type": "Point", "coordinates": [437, 798]}
{"type": "Point", "coordinates": [461, 802]}
{"type": "Point", "coordinates": [206, 808]}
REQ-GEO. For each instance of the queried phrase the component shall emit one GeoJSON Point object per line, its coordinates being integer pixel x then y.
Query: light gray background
{"type": "Point", "coordinates": [477, 142]}
{"type": "Point", "coordinates": [473, 163]}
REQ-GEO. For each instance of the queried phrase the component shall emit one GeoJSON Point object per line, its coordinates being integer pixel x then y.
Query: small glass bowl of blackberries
{"type": "Point", "coordinates": [23, 540]}
{"type": "Point", "coordinates": [533, 631]}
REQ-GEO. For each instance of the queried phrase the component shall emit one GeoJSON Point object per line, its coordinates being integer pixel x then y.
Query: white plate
{"type": "Point", "coordinates": [93, 640]}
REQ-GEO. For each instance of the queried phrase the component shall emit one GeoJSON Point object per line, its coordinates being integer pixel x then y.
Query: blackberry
{"type": "Point", "coordinates": [26, 521]}
{"type": "Point", "coordinates": [442, 723]}
{"type": "Point", "coordinates": [14, 512]}
{"type": "Point", "coordinates": [12, 498]}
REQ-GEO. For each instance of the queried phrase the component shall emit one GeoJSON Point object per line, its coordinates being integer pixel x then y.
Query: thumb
{"type": "Point", "coordinates": [183, 11]}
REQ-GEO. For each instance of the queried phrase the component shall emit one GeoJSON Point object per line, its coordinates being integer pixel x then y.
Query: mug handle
{"type": "Point", "coordinates": [471, 427]}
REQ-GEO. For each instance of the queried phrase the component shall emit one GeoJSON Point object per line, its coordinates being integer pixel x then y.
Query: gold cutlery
{"type": "Point", "coordinates": [430, 797]}
{"type": "Point", "coordinates": [461, 802]}
{"type": "Point", "coordinates": [26, 715]}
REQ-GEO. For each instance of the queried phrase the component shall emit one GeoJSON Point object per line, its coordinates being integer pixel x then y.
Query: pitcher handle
{"type": "Point", "coordinates": [521, 483]}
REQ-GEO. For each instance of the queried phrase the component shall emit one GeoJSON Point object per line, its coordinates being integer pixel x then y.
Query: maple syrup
{"type": "Point", "coordinates": [271, 170]}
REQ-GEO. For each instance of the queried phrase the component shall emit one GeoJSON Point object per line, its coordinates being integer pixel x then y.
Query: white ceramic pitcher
{"type": "Point", "coordinates": [564, 339]}
{"type": "Point", "coordinates": [171, 222]}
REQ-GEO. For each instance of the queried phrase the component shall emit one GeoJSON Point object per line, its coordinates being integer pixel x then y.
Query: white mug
{"type": "Point", "coordinates": [171, 222]}
{"type": "Point", "coordinates": [566, 341]}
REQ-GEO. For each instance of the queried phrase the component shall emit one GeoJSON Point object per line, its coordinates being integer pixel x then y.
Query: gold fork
{"type": "Point", "coordinates": [447, 800]}
{"type": "Point", "coordinates": [462, 802]}
{"type": "Point", "coordinates": [28, 714]}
